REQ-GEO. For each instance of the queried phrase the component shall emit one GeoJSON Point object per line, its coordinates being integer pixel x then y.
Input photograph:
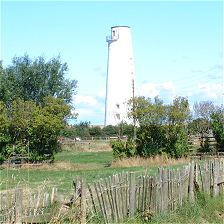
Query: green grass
{"type": "Point", "coordinates": [88, 165]}
{"type": "Point", "coordinates": [96, 166]}
{"type": "Point", "coordinates": [99, 158]}
{"type": "Point", "coordinates": [205, 210]}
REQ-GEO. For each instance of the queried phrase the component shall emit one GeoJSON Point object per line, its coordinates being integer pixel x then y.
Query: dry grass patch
{"type": "Point", "coordinates": [58, 166]}
{"type": "Point", "coordinates": [88, 146]}
{"type": "Point", "coordinates": [152, 161]}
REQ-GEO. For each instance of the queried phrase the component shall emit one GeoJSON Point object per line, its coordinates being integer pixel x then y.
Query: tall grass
{"type": "Point", "coordinates": [158, 160]}
{"type": "Point", "coordinates": [205, 210]}
{"type": "Point", "coordinates": [88, 146]}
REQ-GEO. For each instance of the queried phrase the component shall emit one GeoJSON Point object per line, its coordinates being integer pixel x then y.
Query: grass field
{"type": "Point", "coordinates": [92, 165]}
{"type": "Point", "coordinates": [69, 164]}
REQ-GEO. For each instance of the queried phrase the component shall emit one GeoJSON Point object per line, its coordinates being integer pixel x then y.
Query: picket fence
{"type": "Point", "coordinates": [23, 205]}
{"type": "Point", "coordinates": [120, 196]}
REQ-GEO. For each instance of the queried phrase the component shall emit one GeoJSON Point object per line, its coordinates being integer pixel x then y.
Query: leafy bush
{"type": "Point", "coordinates": [151, 140]}
{"type": "Point", "coordinates": [2, 158]}
{"type": "Point", "coordinates": [217, 124]}
{"type": "Point", "coordinates": [162, 128]}
{"type": "Point", "coordinates": [35, 102]}
{"type": "Point", "coordinates": [35, 126]}
{"type": "Point", "coordinates": [123, 149]}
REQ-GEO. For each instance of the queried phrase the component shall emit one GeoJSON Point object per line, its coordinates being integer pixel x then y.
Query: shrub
{"type": "Point", "coordinates": [150, 140]}
{"type": "Point", "coordinates": [122, 149]}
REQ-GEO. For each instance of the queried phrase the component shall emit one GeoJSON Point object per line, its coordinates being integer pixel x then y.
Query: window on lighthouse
{"type": "Point", "coordinates": [118, 116]}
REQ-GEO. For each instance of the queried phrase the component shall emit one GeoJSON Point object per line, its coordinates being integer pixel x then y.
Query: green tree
{"type": "Point", "coordinates": [69, 131]}
{"type": "Point", "coordinates": [95, 131]}
{"type": "Point", "coordinates": [26, 127]}
{"type": "Point", "coordinates": [110, 130]}
{"type": "Point", "coordinates": [147, 112]}
{"type": "Point", "coordinates": [4, 131]}
{"type": "Point", "coordinates": [217, 125]}
{"type": "Point", "coordinates": [35, 79]}
{"type": "Point", "coordinates": [45, 127]}
{"type": "Point", "coordinates": [82, 129]}
{"type": "Point", "coordinates": [202, 121]}
{"type": "Point", "coordinates": [21, 115]}
{"type": "Point", "coordinates": [179, 111]}
{"type": "Point", "coordinates": [162, 128]}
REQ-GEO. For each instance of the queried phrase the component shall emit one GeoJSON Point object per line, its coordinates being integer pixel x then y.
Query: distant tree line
{"type": "Point", "coordinates": [35, 104]}
{"type": "Point", "coordinates": [86, 130]}
{"type": "Point", "coordinates": [35, 101]}
{"type": "Point", "coordinates": [167, 128]}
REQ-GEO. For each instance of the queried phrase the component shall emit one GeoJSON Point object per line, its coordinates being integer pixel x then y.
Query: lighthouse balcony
{"type": "Point", "coordinates": [110, 39]}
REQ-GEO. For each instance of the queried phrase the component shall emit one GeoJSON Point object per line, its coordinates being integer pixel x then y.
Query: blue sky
{"type": "Point", "coordinates": [178, 46]}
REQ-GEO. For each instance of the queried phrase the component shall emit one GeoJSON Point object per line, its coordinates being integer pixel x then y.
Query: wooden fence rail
{"type": "Point", "coordinates": [123, 195]}
{"type": "Point", "coordinates": [24, 206]}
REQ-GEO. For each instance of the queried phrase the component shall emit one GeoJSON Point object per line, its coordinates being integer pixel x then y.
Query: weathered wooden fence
{"type": "Point", "coordinates": [123, 195]}
{"type": "Point", "coordinates": [120, 196]}
{"type": "Point", "coordinates": [22, 205]}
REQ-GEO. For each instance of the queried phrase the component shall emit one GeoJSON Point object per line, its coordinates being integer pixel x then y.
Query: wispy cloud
{"type": "Point", "coordinates": [213, 72]}
{"type": "Point", "coordinates": [166, 90]}
{"type": "Point", "coordinates": [90, 107]}
{"type": "Point", "coordinates": [86, 100]}
{"type": "Point", "coordinates": [100, 71]}
{"type": "Point", "coordinates": [211, 90]}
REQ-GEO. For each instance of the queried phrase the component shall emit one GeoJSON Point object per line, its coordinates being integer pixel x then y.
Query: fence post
{"type": "Point", "coordinates": [132, 195]}
{"type": "Point", "coordinates": [18, 205]}
{"type": "Point", "coordinates": [215, 177]}
{"type": "Point", "coordinates": [52, 195]}
{"type": "Point", "coordinates": [83, 202]}
{"type": "Point", "coordinates": [191, 182]}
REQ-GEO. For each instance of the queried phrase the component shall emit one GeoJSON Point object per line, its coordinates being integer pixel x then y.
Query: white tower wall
{"type": "Point", "coordinates": [120, 75]}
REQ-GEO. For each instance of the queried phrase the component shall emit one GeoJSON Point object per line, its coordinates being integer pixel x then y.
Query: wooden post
{"type": "Point", "coordinates": [104, 203]}
{"type": "Point", "coordinates": [18, 205]}
{"type": "Point", "coordinates": [83, 203]}
{"type": "Point", "coordinates": [132, 195]}
{"type": "Point", "coordinates": [215, 178]}
{"type": "Point", "coordinates": [52, 195]}
{"type": "Point", "coordinates": [191, 182]}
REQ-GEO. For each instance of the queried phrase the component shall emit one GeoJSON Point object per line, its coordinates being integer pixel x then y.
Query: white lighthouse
{"type": "Point", "coordinates": [120, 75]}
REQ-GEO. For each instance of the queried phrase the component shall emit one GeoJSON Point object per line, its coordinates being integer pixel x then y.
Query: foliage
{"type": "Point", "coordinates": [123, 149]}
{"type": "Point", "coordinates": [206, 146]}
{"type": "Point", "coordinates": [162, 128]}
{"type": "Point", "coordinates": [4, 126]}
{"type": "Point", "coordinates": [35, 79]}
{"type": "Point", "coordinates": [151, 140]}
{"type": "Point", "coordinates": [27, 126]}
{"type": "Point", "coordinates": [125, 129]}
{"type": "Point", "coordinates": [35, 102]}
{"type": "Point", "coordinates": [147, 112]}
{"type": "Point", "coordinates": [68, 131]}
{"type": "Point", "coordinates": [177, 145]}
{"type": "Point", "coordinates": [46, 126]}
{"type": "Point", "coordinates": [110, 130]}
{"type": "Point", "coordinates": [205, 209]}
{"type": "Point", "coordinates": [217, 124]}
{"type": "Point", "coordinates": [82, 129]}
{"type": "Point", "coordinates": [201, 124]}
{"type": "Point", "coordinates": [95, 131]}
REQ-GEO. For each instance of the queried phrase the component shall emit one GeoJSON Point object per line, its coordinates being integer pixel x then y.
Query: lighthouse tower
{"type": "Point", "coordinates": [120, 75]}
